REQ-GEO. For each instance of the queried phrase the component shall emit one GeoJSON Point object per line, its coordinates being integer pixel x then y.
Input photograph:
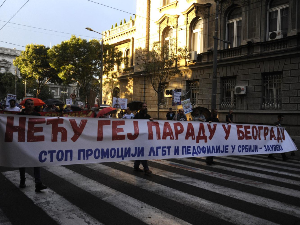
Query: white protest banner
{"type": "Point", "coordinates": [176, 96]}
{"type": "Point", "coordinates": [187, 106]}
{"type": "Point", "coordinates": [29, 141]}
{"type": "Point", "coordinates": [69, 101]}
{"type": "Point", "coordinates": [9, 97]}
{"type": "Point", "coordinates": [119, 103]}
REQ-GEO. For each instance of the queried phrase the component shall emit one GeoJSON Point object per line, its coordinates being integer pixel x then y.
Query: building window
{"type": "Point", "coordinates": [126, 59]}
{"type": "Point", "coordinates": [197, 43]}
{"type": "Point", "coordinates": [234, 27]}
{"type": "Point", "coordinates": [272, 91]}
{"type": "Point", "coordinates": [228, 100]}
{"type": "Point", "coordinates": [168, 40]}
{"type": "Point", "coordinates": [166, 2]}
{"type": "Point", "coordinates": [278, 19]}
{"type": "Point", "coordinates": [192, 91]}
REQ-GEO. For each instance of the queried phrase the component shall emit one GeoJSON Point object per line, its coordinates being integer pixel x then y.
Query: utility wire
{"type": "Point", "coordinates": [2, 3]}
{"type": "Point", "coordinates": [39, 28]}
{"type": "Point", "coordinates": [12, 44]}
{"type": "Point", "coordinates": [14, 14]}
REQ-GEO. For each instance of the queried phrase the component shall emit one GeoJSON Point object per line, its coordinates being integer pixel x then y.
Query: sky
{"type": "Point", "coordinates": [49, 22]}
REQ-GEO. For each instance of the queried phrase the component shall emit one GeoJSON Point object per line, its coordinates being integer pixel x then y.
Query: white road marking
{"type": "Point", "coordinates": [211, 208]}
{"type": "Point", "coordinates": [247, 197]}
{"type": "Point", "coordinates": [61, 210]}
{"type": "Point", "coordinates": [246, 172]}
{"type": "Point", "coordinates": [3, 219]}
{"type": "Point", "coordinates": [136, 208]}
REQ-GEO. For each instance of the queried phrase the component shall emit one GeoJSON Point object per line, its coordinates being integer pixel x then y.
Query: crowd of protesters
{"type": "Point", "coordinates": [142, 113]}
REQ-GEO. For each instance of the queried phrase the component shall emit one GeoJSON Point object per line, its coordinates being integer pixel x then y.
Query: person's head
{"type": "Point", "coordinates": [214, 112]}
{"type": "Point", "coordinates": [180, 111]}
{"type": "Point", "coordinates": [143, 107]}
{"type": "Point", "coordinates": [170, 109]}
{"type": "Point", "coordinates": [12, 102]}
{"type": "Point", "coordinates": [29, 105]}
{"type": "Point", "coordinates": [128, 111]}
{"type": "Point", "coordinates": [280, 117]}
{"type": "Point", "coordinates": [230, 111]}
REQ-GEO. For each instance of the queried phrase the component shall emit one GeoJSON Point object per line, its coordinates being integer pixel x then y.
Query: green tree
{"type": "Point", "coordinates": [7, 85]}
{"type": "Point", "coordinates": [159, 64]}
{"type": "Point", "coordinates": [45, 93]}
{"type": "Point", "coordinates": [77, 60]}
{"type": "Point", "coordinates": [34, 63]}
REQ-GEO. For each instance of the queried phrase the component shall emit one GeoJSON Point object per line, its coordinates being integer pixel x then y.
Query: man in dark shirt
{"type": "Point", "coordinates": [29, 110]}
{"type": "Point", "coordinates": [180, 116]}
{"type": "Point", "coordinates": [213, 118]}
{"type": "Point", "coordinates": [278, 123]}
{"type": "Point", "coordinates": [170, 115]}
{"type": "Point", "coordinates": [142, 114]}
{"type": "Point", "coordinates": [229, 117]}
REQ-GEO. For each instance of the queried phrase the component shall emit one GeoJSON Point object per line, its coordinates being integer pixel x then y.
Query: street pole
{"type": "Point", "coordinates": [101, 74]}
{"type": "Point", "coordinates": [215, 61]}
{"type": "Point", "coordinates": [101, 67]}
{"type": "Point", "coordinates": [25, 88]}
{"type": "Point", "coordinates": [16, 82]}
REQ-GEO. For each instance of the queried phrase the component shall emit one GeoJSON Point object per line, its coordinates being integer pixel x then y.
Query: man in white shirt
{"type": "Point", "coordinates": [12, 107]}
{"type": "Point", "coordinates": [128, 114]}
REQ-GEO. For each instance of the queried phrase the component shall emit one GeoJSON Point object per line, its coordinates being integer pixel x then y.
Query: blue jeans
{"type": "Point", "coordinates": [143, 162]}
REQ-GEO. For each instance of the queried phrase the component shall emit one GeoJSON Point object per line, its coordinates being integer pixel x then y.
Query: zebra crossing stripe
{"type": "Point", "coordinates": [252, 183]}
{"type": "Point", "coordinates": [136, 208]}
{"type": "Point", "coordinates": [276, 166]}
{"type": "Point", "coordinates": [211, 208]}
{"type": "Point", "coordinates": [291, 161]}
{"type": "Point", "coordinates": [245, 172]}
{"type": "Point", "coordinates": [3, 219]}
{"type": "Point", "coordinates": [247, 197]}
{"type": "Point", "coordinates": [257, 168]}
{"type": "Point", "coordinates": [61, 210]}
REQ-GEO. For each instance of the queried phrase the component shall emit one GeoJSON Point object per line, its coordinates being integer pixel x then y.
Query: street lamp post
{"type": "Point", "coordinates": [101, 67]}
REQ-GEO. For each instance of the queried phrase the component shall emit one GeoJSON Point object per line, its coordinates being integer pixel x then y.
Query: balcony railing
{"type": "Point", "coordinates": [253, 49]}
{"type": "Point", "coordinates": [119, 29]}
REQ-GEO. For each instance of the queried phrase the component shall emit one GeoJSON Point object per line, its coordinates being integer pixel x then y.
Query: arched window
{"type": "Point", "coordinates": [234, 27]}
{"type": "Point", "coordinates": [278, 19]}
{"type": "Point", "coordinates": [168, 39]}
{"type": "Point", "coordinates": [127, 58]}
{"type": "Point", "coordinates": [167, 35]}
{"type": "Point", "coordinates": [197, 42]}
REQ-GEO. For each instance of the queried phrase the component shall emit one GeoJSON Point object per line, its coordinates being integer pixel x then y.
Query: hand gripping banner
{"type": "Point", "coordinates": [28, 141]}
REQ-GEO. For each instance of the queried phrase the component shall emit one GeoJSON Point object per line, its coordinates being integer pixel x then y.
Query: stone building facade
{"type": "Point", "coordinates": [7, 55]}
{"type": "Point", "coordinates": [258, 60]}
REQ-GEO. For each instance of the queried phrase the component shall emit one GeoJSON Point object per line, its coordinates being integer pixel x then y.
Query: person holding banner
{"type": "Point", "coordinates": [229, 117]}
{"type": "Point", "coordinates": [128, 114]}
{"type": "Point", "coordinates": [12, 106]}
{"type": "Point", "coordinates": [142, 114]}
{"type": "Point", "coordinates": [198, 116]}
{"type": "Point", "coordinates": [278, 124]}
{"type": "Point", "coordinates": [210, 159]}
{"type": "Point", "coordinates": [180, 116]}
{"type": "Point", "coordinates": [170, 115]}
{"type": "Point", "coordinates": [29, 110]}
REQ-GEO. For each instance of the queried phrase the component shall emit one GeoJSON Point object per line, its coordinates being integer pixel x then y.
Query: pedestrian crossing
{"type": "Point", "coordinates": [237, 190]}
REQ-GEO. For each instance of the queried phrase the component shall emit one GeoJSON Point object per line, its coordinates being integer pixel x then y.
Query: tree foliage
{"type": "Point", "coordinates": [33, 63]}
{"type": "Point", "coordinates": [77, 60]}
{"type": "Point", "coordinates": [7, 85]}
{"type": "Point", "coordinates": [159, 64]}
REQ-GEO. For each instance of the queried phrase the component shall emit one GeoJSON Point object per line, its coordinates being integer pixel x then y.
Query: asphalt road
{"type": "Point", "coordinates": [237, 190]}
